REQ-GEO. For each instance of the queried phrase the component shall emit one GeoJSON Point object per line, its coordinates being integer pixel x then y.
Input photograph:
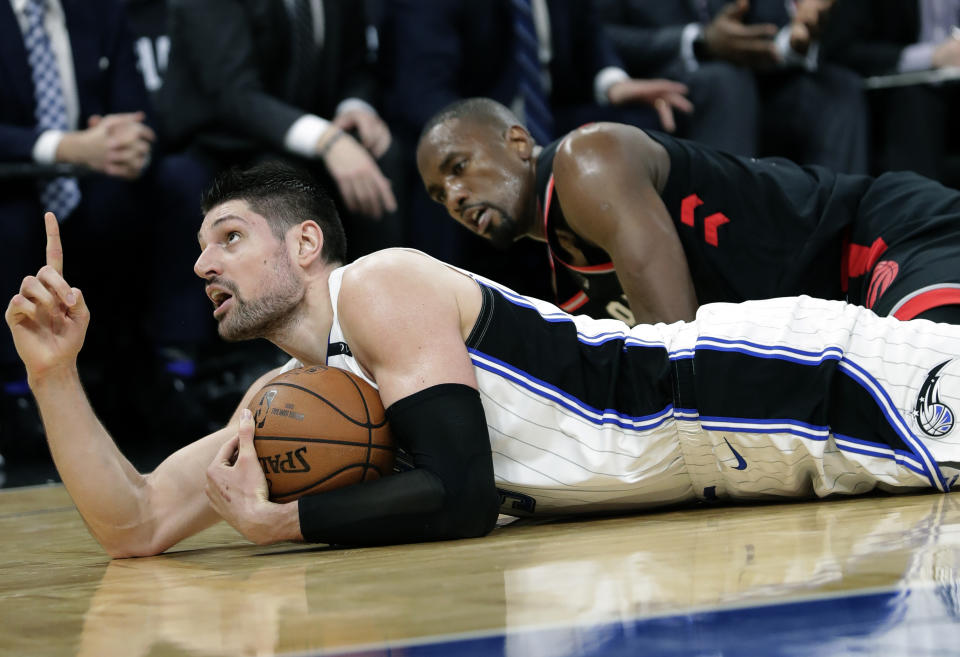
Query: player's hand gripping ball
{"type": "Point", "coordinates": [320, 428]}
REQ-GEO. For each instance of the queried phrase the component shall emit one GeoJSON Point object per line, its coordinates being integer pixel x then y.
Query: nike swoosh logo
{"type": "Point", "coordinates": [741, 464]}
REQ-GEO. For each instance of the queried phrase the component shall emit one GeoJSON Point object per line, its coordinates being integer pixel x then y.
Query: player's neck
{"type": "Point", "coordinates": [534, 228]}
{"type": "Point", "coordinates": [305, 336]}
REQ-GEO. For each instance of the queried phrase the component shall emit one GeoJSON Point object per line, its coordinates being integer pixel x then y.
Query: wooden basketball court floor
{"type": "Point", "coordinates": [865, 576]}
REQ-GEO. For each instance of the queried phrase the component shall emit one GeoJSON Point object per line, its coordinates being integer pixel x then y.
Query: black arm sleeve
{"type": "Point", "coordinates": [449, 494]}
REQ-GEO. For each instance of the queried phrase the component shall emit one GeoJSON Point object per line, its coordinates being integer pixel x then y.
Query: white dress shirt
{"type": "Point", "coordinates": [937, 20]}
{"type": "Point", "coordinates": [302, 136]}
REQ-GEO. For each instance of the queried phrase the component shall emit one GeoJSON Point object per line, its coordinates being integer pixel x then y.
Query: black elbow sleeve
{"type": "Point", "coordinates": [449, 494]}
{"type": "Point", "coordinates": [444, 430]}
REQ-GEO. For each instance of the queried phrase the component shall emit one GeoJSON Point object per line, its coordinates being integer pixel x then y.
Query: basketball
{"type": "Point", "coordinates": [320, 428]}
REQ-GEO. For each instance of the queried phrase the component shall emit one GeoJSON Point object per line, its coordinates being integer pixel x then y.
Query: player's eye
{"type": "Point", "coordinates": [459, 167]}
{"type": "Point", "coordinates": [232, 237]}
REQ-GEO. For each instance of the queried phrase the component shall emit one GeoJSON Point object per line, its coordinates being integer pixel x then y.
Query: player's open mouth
{"type": "Point", "coordinates": [482, 219]}
{"type": "Point", "coordinates": [220, 300]}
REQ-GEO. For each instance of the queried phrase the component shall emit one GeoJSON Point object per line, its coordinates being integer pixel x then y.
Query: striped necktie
{"type": "Point", "coordinates": [536, 108]}
{"type": "Point", "coordinates": [60, 195]}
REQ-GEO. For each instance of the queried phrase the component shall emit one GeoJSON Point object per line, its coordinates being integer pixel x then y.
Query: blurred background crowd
{"type": "Point", "coordinates": [117, 114]}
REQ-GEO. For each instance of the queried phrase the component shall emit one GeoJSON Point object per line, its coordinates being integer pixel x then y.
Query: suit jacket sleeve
{"type": "Point", "coordinates": [216, 46]}
{"type": "Point", "coordinates": [16, 143]}
{"type": "Point", "coordinates": [870, 37]}
{"type": "Point", "coordinates": [645, 48]}
{"type": "Point", "coordinates": [581, 50]}
{"type": "Point", "coordinates": [105, 69]}
{"type": "Point", "coordinates": [121, 88]}
{"type": "Point", "coordinates": [356, 73]}
{"type": "Point", "coordinates": [603, 51]}
{"type": "Point", "coordinates": [428, 58]}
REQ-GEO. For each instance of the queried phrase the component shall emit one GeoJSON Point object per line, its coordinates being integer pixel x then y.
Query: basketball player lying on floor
{"type": "Point", "coordinates": [648, 226]}
{"type": "Point", "coordinates": [504, 402]}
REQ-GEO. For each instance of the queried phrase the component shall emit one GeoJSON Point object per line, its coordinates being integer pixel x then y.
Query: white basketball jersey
{"type": "Point", "coordinates": [765, 399]}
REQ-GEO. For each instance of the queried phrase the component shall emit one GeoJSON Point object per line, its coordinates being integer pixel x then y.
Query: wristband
{"type": "Point", "coordinates": [330, 142]}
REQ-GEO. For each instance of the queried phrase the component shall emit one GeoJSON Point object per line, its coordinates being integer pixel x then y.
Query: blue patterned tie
{"type": "Point", "coordinates": [60, 195]}
{"type": "Point", "coordinates": [536, 107]}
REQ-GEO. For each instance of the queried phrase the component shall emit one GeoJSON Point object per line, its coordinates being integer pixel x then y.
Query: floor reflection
{"type": "Point", "coordinates": [159, 601]}
{"type": "Point", "coordinates": [823, 578]}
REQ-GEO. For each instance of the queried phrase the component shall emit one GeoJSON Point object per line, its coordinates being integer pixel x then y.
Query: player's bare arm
{"type": "Point", "coordinates": [404, 316]}
{"type": "Point", "coordinates": [608, 178]}
{"type": "Point", "coordinates": [128, 513]}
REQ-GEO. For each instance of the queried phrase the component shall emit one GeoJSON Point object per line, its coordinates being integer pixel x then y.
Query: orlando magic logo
{"type": "Point", "coordinates": [935, 418]}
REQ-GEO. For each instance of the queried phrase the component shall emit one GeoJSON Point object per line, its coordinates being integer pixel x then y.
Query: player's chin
{"type": "Point", "coordinates": [230, 332]}
{"type": "Point", "coordinates": [501, 240]}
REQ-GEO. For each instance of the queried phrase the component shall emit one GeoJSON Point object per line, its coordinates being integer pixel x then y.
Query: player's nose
{"type": "Point", "coordinates": [456, 199]}
{"type": "Point", "coordinates": [206, 265]}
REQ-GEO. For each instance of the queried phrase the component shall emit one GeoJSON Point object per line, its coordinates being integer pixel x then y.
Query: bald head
{"type": "Point", "coordinates": [479, 162]}
{"type": "Point", "coordinates": [476, 112]}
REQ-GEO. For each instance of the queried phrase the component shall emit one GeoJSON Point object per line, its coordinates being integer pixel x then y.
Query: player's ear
{"type": "Point", "coordinates": [520, 141]}
{"type": "Point", "coordinates": [309, 242]}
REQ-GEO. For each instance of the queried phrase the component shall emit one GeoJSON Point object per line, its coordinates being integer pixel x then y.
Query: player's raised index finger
{"type": "Point", "coordinates": [54, 248]}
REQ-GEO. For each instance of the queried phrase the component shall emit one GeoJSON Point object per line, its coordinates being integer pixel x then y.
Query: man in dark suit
{"type": "Point", "coordinates": [438, 51]}
{"type": "Point", "coordinates": [754, 75]}
{"type": "Point", "coordinates": [911, 122]}
{"type": "Point", "coordinates": [72, 97]}
{"type": "Point", "coordinates": [264, 78]}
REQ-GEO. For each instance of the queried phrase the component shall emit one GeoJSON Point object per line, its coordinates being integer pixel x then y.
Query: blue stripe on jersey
{"type": "Point", "coordinates": [522, 301]}
{"type": "Point", "coordinates": [571, 403]}
{"type": "Point", "coordinates": [782, 425]}
{"type": "Point", "coordinates": [637, 342]}
{"type": "Point", "coordinates": [889, 409]}
{"type": "Point", "coordinates": [603, 338]}
{"type": "Point", "coordinates": [851, 444]}
{"type": "Point", "coordinates": [770, 351]}
{"type": "Point", "coordinates": [520, 373]}
{"type": "Point", "coordinates": [560, 316]}
{"type": "Point", "coordinates": [593, 370]}
{"type": "Point", "coordinates": [815, 359]}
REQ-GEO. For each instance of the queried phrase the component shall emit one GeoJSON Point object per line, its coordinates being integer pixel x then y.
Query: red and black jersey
{"type": "Point", "coordinates": [762, 228]}
{"type": "Point", "coordinates": [591, 289]}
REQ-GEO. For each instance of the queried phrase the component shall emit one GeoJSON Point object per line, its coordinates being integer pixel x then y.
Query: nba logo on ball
{"type": "Point", "coordinates": [320, 428]}
{"type": "Point", "coordinates": [266, 401]}
{"type": "Point", "coordinates": [934, 416]}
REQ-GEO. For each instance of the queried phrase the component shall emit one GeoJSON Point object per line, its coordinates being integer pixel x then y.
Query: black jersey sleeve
{"type": "Point", "coordinates": [449, 494]}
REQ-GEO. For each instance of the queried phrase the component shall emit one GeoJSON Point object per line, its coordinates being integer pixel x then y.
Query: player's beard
{"type": "Point", "coordinates": [505, 232]}
{"type": "Point", "coordinates": [270, 313]}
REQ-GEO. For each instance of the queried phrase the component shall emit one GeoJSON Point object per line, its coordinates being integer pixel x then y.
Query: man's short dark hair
{"type": "Point", "coordinates": [484, 111]}
{"type": "Point", "coordinates": [285, 195]}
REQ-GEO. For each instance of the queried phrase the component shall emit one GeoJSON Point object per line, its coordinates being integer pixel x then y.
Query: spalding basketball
{"type": "Point", "coordinates": [320, 428]}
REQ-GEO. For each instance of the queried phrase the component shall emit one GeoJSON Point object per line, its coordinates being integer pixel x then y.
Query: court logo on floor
{"type": "Point", "coordinates": [935, 418]}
